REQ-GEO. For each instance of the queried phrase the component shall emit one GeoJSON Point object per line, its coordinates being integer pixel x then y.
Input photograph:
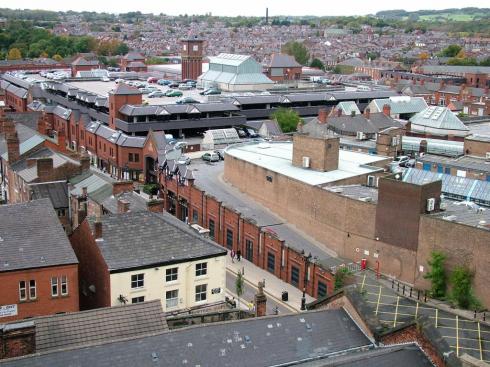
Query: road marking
{"type": "Point", "coordinates": [396, 311]}
{"type": "Point", "coordinates": [363, 280]}
{"type": "Point", "coordinates": [437, 314]}
{"type": "Point", "coordinates": [417, 310]}
{"type": "Point", "coordinates": [457, 337]}
{"type": "Point", "coordinates": [379, 298]}
{"type": "Point", "coordinates": [479, 343]}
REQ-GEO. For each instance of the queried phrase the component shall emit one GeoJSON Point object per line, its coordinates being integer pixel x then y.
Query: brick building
{"type": "Point", "coordinates": [83, 64]}
{"type": "Point", "coordinates": [133, 61]}
{"type": "Point", "coordinates": [192, 54]}
{"type": "Point", "coordinates": [39, 270]}
{"type": "Point", "coordinates": [283, 67]}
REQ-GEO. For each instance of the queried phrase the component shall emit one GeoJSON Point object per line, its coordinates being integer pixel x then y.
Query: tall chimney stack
{"type": "Point", "coordinates": [13, 147]}
{"type": "Point", "coordinates": [322, 115]}
{"type": "Point", "coordinates": [367, 113]}
{"type": "Point", "coordinates": [387, 110]}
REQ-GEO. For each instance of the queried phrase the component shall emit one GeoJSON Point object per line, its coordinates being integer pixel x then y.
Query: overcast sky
{"type": "Point", "coordinates": [245, 7]}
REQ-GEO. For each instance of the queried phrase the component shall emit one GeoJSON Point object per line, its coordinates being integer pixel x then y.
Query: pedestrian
{"type": "Point", "coordinates": [238, 254]}
{"type": "Point", "coordinates": [232, 254]}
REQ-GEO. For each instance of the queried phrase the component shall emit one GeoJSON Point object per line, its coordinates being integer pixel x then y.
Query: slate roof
{"type": "Point", "coordinates": [32, 237]}
{"type": "Point", "coordinates": [23, 132]}
{"type": "Point", "coordinates": [254, 342]}
{"type": "Point", "coordinates": [136, 202]}
{"type": "Point", "coordinates": [143, 239]}
{"type": "Point", "coordinates": [123, 88]}
{"type": "Point", "coordinates": [26, 146]}
{"type": "Point", "coordinates": [56, 192]}
{"type": "Point", "coordinates": [99, 187]}
{"type": "Point", "coordinates": [81, 61]}
{"type": "Point", "coordinates": [283, 61]}
{"type": "Point", "coordinates": [399, 105]}
{"type": "Point", "coordinates": [97, 326]}
{"type": "Point", "coordinates": [134, 56]}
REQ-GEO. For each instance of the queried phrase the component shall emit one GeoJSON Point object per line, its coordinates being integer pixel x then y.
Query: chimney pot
{"type": "Point", "coordinates": [322, 115]}
{"type": "Point", "coordinates": [98, 229]}
{"type": "Point", "coordinates": [122, 206]}
{"type": "Point", "coordinates": [367, 113]}
{"type": "Point", "coordinates": [387, 110]}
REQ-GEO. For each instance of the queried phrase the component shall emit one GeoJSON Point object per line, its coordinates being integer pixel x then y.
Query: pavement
{"type": "Point", "coordinates": [273, 286]}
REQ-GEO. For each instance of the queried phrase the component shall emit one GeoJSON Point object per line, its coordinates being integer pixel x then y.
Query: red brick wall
{"type": "Point", "coordinates": [93, 269]}
{"type": "Point", "coordinates": [44, 304]}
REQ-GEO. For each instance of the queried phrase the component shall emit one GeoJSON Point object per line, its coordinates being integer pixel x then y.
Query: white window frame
{"type": "Point", "coordinates": [64, 284]}
{"type": "Point", "coordinates": [137, 300]}
{"type": "Point", "coordinates": [171, 302]}
{"type": "Point", "coordinates": [138, 280]}
{"type": "Point", "coordinates": [32, 287]}
{"type": "Point", "coordinates": [169, 273]}
{"type": "Point", "coordinates": [201, 269]}
{"type": "Point", "coordinates": [22, 289]}
{"type": "Point", "coordinates": [200, 293]}
{"type": "Point", "coordinates": [54, 287]}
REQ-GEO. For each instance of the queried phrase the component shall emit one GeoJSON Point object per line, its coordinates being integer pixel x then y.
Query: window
{"type": "Point", "coordinates": [130, 157]}
{"type": "Point", "coordinates": [322, 290]}
{"type": "Point", "coordinates": [195, 216]}
{"type": "Point", "coordinates": [64, 285]}
{"type": "Point", "coordinates": [294, 276]}
{"type": "Point", "coordinates": [229, 239]}
{"type": "Point", "coordinates": [140, 299]}
{"type": "Point", "coordinates": [201, 269]}
{"type": "Point", "coordinates": [201, 292]}
{"type": "Point", "coordinates": [32, 289]}
{"type": "Point", "coordinates": [249, 250]}
{"type": "Point", "coordinates": [271, 262]}
{"type": "Point", "coordinates": [211, 229]}
{"type": "Point", "coordinates": [195, 48]}
{"type": "Point", "coordinates": [172, 298]}
{"type": "Point", "coordinates": [22, 290]}
{"type": "Point", "coordinates": [171, 274]}
{"type": "Point", "coordinates": [54, 287]}
{"type": "Point", "coordinates": [61, 213]}
{"type": "Point", "coordinates": [137, 280]}
{"type": "Point", "coordinates": [136, 157]}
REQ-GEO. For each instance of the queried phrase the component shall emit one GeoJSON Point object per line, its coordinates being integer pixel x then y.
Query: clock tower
{"type": "Point", "coordinates": [192, 54]}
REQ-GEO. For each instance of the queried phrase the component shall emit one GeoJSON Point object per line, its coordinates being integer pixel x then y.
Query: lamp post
{"type": "Point", "coordinates": [305, 278]}
{"type": "Point", "coordinates": [303, 300]}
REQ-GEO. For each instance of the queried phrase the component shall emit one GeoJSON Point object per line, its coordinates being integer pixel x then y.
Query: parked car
{"type": "Point", "coordinates": [152, 79]}
{"type": "Point", "coordinates": [185, 86]}
{"type": "Point", "coordinates": [156, 94]}
{"type": "Point", "coordinates": [173, 93]}
{"type": "Point", "coordinates": [163, 82]}
{"type": "Point", "coordinates": [210, 157]}
{"type": "Point", "coordinates": [186, 100]}
{"type": "Point", "coordinates": [184, 160]}
{"type": "Point", "coordinates": [106, 79]}
{"type": "Point", "coordinates": [189, 81]}
{"type": "Point", "coordinates": [402, 160]}
{"type": "Point", "coordinates": [146, 90]}
{"type": "Point", "coordinates": [210, 91]}
{"type": "Point", "coordinates": [173, 85]}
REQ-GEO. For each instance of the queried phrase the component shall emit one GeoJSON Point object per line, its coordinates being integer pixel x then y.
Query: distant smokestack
{"type": "Point", "coordinates": [266, 15]}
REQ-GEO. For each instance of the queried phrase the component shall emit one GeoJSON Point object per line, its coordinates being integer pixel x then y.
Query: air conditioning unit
{"type": "Point", "coordinates": [306, 162]}
{"type": "Point", "coordinates": [371, 181]}
{"type": "Point", "coordinates": [431, 204]}
{"type": "Point", "coordinates": [360, 135]}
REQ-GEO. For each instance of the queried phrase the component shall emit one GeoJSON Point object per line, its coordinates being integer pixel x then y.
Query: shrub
{"type": "Point", "coordinates": [437, 274]}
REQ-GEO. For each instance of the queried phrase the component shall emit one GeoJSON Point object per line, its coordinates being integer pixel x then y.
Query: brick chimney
{"type": "Point", "coordinates": [45, 169]}
{"type": "Point", "coordinates": [8, 127]}
{"type": "Point", "coordinates": [122, 186]}
{"type": "Point", "coordinates": [122, 206]}
{"type": "Point", "coordinates": [17, 339]}
{"type": "Point", "coordinates": [13, 147]}
{"type": "Point", "coordinates": [367, 113]}
{"type": "Point", "coordinates": [260, 301]}
{"type": "Point", "coordinates": [387, 110]}
{"type": "Point", "coordinates": [322, 115]}
{"type": "Point", "coordinates": [84, 191]}
{"type": "Point", "coordinates": [155, 205]}
{"type": "Point", "coordinates": [98, 229]}
{"type": "Point", "coordinates": [84, 162]}
{"type": "Point", "coordinates": [62, 140]}
{"type": "Point", "coordinates": [339, 112]}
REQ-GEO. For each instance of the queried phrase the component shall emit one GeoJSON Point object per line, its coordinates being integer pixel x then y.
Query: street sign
{"type": "Point", "coordinates": [8, 310]}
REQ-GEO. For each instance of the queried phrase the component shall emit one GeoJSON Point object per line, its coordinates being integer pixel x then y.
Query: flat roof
{"type": "Point", "coordinates": [277, 157]}
{"type": "Point", "coordinates": [358, 192]}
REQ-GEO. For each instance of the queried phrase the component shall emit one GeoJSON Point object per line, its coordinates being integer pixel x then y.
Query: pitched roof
{"type": "Point", "coordinates": [56, 192]}
{"type": "Point", "coordinates": [283, 61]}
{"type": "Point", "coordinates": [97, 326]}
{"type": "Point", "coordinates": [81, 61]}
{"type": "Point", "coordinates": [124, 89]}
{"type": "Point", "coordinates": [400, 104]}
{"type": "Point", "coordinates": [253, 342]}
{"type": "Point", "coordinates": [141, 239]}
{"type": "Point", "coordinates": [32, 237]}
{"type": "Point", "coordinates": [438, 119]}
{"type": "Point", "coordinates": [136, 202]}
{"type": "Point", "coordinates": [134, 56]}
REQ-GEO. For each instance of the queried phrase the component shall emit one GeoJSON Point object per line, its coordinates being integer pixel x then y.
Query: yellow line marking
{"type": "Point", "coordinates": [396, 311]}
{"type": "Point", "coordinates": [457, 336]}
{"type": "Point", "coordinates": [417, 310]}
{"type": "Point", "coordinates": [437, 314]}
{"type": "Point", "coordinates": [479, 342]}
{"type": "Point", "coordinates": [363, 280]}
{"type": "Point", "coordinates": [379, 298]}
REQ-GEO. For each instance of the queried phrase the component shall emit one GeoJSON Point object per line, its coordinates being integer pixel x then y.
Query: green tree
{"type": "Point", "coordinates": [239, 285]}
{"type": "Point", "coordinates": [461, 292]}
{"type": "Point", "coordinates": [122, 49]}
{"type": "Point", "coordinates": [450, 51]}
{"type": "Point", "coordinates": [437, 274]}
{"type": "Point", "coordinates": [287, 118]}
{"type": "Point", "coordinates": [57, 57]}
{"type": "Point", "coordinates": [339, 277]}
{"type": "Point", "coordinates": [14, 54]}
{"type": "Point", "coordinates": [317, 63]}
{"type": "Point", "coordinates": [298, 50]}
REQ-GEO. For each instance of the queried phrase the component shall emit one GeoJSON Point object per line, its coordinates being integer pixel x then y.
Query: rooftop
{"type": "Point", "coordinates": [253, 342]}
{"type": "Point", "coordinates": [465, 162]}
{"type": "Point", "coordinates": [31, 236]}
{"type": "Point", "coordinates": [56, 192]}
{"type": "Point", "coordinates": [143, 239]}
{"type": "Point", "coordinates": [277, 157]}
{"type": "Point", "coordinates": [438, 120]}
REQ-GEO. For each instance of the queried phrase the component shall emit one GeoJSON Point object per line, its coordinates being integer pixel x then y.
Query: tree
{"type": "Point", "coordinates": [239, 285]}
{"type": "Point", "coordinates": [339, 277]}
{"type": "Point", "coordinates": [122, 49]}
{"type": "Point", "coordinates": [298, 50]}
{"type": "Point", "coordinates": [44, 55]}
{"type": "Point", "coordinates": [14, 54]}
{"type": "Point", "coordinates": [287, 119]}
{"type": "Point", "coordinates": [317, 63]}
{"type": "Point", "coordinates": [437, 274]}
{"type": "Point", "coordinates": [450, 51]}
{"type": "Point", "coordinates": [461, 293]}
{"type": "Point", "coordinates": [57, 57]}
